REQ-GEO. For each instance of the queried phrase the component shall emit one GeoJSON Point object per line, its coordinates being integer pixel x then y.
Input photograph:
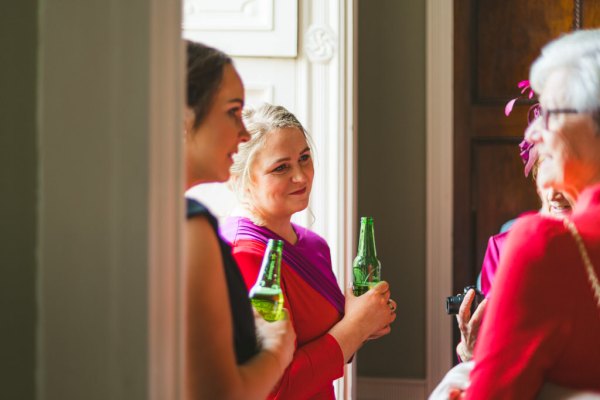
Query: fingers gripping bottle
{"type": "Point", "coordinates": [366, 268]}
{"type": "Point", "coordinates": [266, 296]}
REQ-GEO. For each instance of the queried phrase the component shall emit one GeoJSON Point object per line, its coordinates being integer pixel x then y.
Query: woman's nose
{"type": "Point", "coordinates": [533, 135]}
{"type": "Point", "coordinates": [243, 135]}
{"type": "Point", "coordinates": [299, 175]}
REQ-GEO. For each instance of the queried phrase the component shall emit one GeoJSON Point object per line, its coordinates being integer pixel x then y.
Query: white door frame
{"type": "Point", "coordinates": [166, 209]}
{"type": "Point", "coordinates": [325, 97]}
{"type": "Point", "coordinates": [327, 80]}
{"type": "Point", "coordinates": [439, 186]}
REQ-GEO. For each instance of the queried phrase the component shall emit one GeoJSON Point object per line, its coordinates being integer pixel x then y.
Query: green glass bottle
{"type": "Point", "coordinates": [366, 268]}
{"type": "Point", "coordinates": [266, 295]}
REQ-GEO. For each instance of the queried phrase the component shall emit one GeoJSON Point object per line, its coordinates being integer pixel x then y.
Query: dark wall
{"type": "Point", "coordinates": [18, 175]}
{"type": "Point", "coordinates": [391, 173]}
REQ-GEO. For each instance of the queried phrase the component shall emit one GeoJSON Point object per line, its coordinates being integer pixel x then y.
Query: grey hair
{"type": "Point", "coordinates": [259, 121]}
{"type": "Point", "coordinates": [577, 55]}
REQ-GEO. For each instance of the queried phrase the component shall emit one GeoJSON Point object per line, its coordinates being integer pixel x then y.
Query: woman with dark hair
{"type": "Point", "coordinates": [230, 353]}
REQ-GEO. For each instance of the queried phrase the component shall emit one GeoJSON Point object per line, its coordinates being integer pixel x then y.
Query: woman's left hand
{"type": "Point", "coordinates": [469, 325]}
{"type": "Point", "coordinates": [373, 312]}
{"type": "Point", "coordinates": [385, 330]}
{"type": "Point", "coordinates": [366, 317]}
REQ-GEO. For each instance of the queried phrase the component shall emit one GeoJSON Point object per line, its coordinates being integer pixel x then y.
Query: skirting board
{"type": "Point", "coordinates": [391, 389]}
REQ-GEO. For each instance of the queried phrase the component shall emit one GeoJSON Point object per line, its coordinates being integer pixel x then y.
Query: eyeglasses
{"type": "Point", "coordinates": [545, 114]}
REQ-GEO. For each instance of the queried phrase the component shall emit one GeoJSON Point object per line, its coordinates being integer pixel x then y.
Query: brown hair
{"type": "Point", "coordinates": [204, 75]}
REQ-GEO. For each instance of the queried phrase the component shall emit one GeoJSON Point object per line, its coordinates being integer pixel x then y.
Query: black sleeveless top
{"type": "Point", "coordinates": [244, 333]}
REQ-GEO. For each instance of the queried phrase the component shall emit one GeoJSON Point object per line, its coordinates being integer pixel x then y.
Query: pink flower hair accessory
{"type": "Point", "coordinates": [527, 150]}
{"type": "Point", "coordinates": [529, 155]}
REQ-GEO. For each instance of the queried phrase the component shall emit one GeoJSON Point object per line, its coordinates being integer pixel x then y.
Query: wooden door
{"type": "Point", "coordinates": [495, 42]}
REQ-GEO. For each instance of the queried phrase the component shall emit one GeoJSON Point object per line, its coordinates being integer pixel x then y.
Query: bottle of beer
{"type": "Point", "coordinates": [266, 295]}
{"type": "Point", "coordinates": [366, 267]}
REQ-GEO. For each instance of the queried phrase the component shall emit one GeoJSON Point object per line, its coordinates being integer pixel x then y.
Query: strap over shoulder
{"type": "Point", "coordinates": [589, 267]}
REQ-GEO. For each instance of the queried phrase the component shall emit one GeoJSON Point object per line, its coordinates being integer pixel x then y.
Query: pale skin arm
{"type": "Point", "coordinates": [469, 326]}
{"type": "Point", "coordinates": [211, 371]}
{"type": "Point", "coordinates": [366, 317]}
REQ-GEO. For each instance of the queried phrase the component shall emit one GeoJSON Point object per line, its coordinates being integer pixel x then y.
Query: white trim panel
{"type": "Point", "coordinates": [224, 15]}
{"type": "Point", "coordinates": [325, 102]}
{"type": "Point", "coordinates": [391, 389]}
{"type": "Point", "coordinates": [439, 187]}
{"type": "Point", "coordinates": [269, 27]}
{"type": "Point", "coordinates": [165, 208]}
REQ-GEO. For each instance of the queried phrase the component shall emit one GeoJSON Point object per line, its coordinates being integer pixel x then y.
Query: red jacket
{"type": "Point", "coordinates": [542, 322]}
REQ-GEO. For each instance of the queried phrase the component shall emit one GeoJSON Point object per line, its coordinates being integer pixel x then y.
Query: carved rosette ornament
{"type": "Point", "coordinates": [190, 8]}
{"type": "Point", "coordinates": [320, 44]}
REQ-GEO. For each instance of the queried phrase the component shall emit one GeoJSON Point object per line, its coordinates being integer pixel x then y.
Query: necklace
{"type": "Point", "coordinates": [592, 277]}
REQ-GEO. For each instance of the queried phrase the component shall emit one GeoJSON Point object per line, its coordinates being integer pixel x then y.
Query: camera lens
{"type": "Point", "coordinates": [453, 303]}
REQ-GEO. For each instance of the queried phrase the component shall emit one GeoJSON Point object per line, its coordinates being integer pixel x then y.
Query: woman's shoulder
{"type": "Point", "coordinates": [309, 238]}
{"type": "Point", "coordinates": [194, 209]}
{"type": "Point", "coordinates": [229, 228]}
{"type": "Point", "coordinates": [498, 239]}
{"type": "Point", "coordinates": [538, 240]}
{"type": "Point", "coordinates": [241, 235]}
{"type": "Point", "coordinates": [538, 225]}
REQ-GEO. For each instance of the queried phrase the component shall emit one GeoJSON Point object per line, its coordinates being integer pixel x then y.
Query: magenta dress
{"type": "Point", "coordinates": [313, 299]}
{"type": "Point", "coordinates": [491, 260]}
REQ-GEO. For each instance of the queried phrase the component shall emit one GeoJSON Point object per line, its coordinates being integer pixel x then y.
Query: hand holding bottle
{"type": "Point", "coordinates": [373, 312]}
{"type": "Point", "coordinates": [386, 329]}
{"type": "Point", "coordinates": [266, 295]}
{"type": "Point", "coordinates": [366, 317]}
{"type": "Point", "coordinates": [277, 338]}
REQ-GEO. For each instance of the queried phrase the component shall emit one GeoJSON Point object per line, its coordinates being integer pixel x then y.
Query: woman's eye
{"type": "Point", "coordinates": [235, 113]}
{"type": "Point", "coordinates": [280, 168]}
{"type": "Point", "coordinates": [304, 157]}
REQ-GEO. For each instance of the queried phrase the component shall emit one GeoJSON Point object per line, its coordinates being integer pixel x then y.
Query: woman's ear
{"type": "Point", "coordinates": [189, 117]}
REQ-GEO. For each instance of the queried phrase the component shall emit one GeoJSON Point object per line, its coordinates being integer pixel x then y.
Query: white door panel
{"type": "Point", "coordinates": [244, 27]}
{"type": "Point", "coordinates": [271, 80]}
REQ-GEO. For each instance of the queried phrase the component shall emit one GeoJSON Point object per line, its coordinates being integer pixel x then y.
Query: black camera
{"type": "Point", "coordinates": [453, 302]}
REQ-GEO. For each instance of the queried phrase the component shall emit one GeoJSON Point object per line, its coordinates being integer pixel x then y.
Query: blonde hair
{"type": "Point", "coordinates": [259, 121]}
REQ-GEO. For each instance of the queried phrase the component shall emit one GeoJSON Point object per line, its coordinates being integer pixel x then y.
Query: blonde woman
{"type": "Point", "coordinates": [273, 175]}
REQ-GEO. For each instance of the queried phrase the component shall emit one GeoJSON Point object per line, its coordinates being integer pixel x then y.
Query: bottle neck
{"type": "Point", "coordinates": [366, 240]}
{"type": "Point", "coordinates": [271, 265]}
